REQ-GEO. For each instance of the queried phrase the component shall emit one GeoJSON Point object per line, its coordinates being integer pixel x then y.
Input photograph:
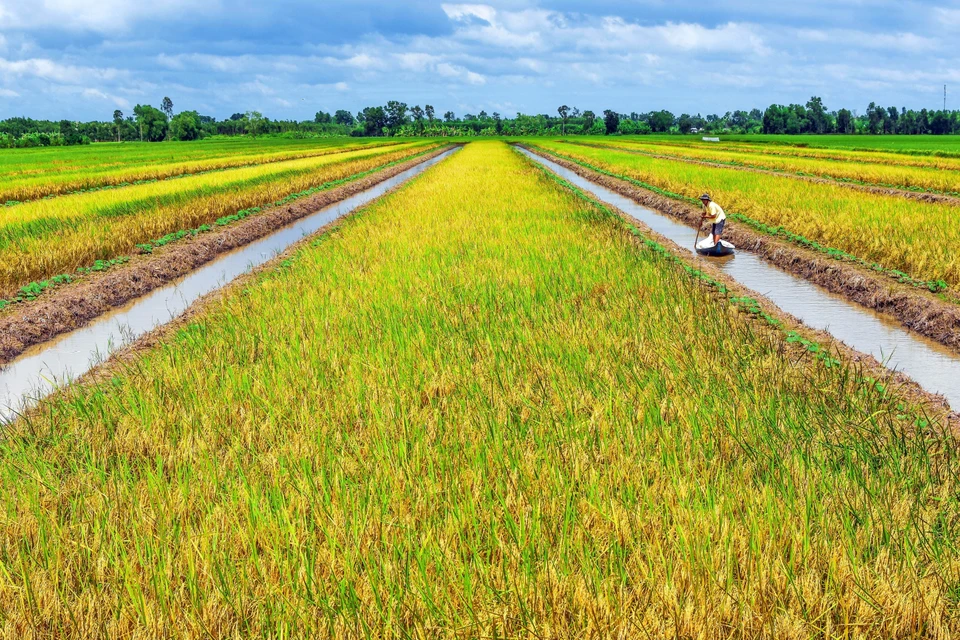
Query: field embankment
{"type": "Point", "coordinates": [480, 407]}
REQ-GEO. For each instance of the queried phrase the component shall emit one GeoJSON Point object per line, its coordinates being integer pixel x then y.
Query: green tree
{"type": "Point", "coordinates": [430, 113]}
{"type": "Point", "coordinates": [257, 123]}
{"type": "Point", "coordinates": [844, 121]}
{"type": "Point", "coordinates": [152, 123]}
{"type": "Point", "coordinates": [118, 121]}
{"type": "Point", "coordinates": [185, 126]}
{"type": "Point", "coordinates": [817, 115]}
{"type": "Point", "coordinates": [449, 116]}
{"type": "Point", "coordinates": [588, 118]}
{"type": "Point", "coordinates": [661, 121]}
{"type": "Point", "coordinates": [498, 123]}
{"type": "Point", "coordinates": [611, 121]}
{"type": "Point", "coordinates": [322, 117]}
{"type": "Point", "coordinates": [343, 116]}
{"type": "Point", "coordinates": [417, 113]}
{"type": "Point", "coordinates": [564, 112]}
{"type": "Point", "coordinates": [396, 114]}
{"type": "Point", "coordinates": [374, 120]}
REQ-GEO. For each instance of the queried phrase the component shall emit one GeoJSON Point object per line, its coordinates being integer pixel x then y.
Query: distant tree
{"type": "Point", "coordinates": [257, 123]}
{"type": "Point", "coordinates": [236, 116]}
{"type": "Point", "coordinates": [575, 113]}
{"type": "Point", "coordinates": [449, 116]}
{"type": "Point", "coordinates": [343, 117]}
{"type": "Point", "coordinates": [322, 117]}
{"type": "Point", "coordinates": [167, 107]}
{"type": "Point", "coordinates": [498, 123]}
{"type": "Point", "coordinates": [588, 118]}
{"type": "Point", "coordinates": [118, 121]}
{"type": "Point", "coordinates": [374, 120]}
{"type": "Point", "coordinates": [844, 121]}
{"type": "Point", "coordinates": [396, 115]}
{"type": "Point", "coordinates": [185, 126]}
{"type": "Point", "coordinates": [611, 121]}
{"type": "Point", "coordinates": [152, 123]}
{"type": "Point", "coordinates": [685, 123]}
{"type": "Point", "coordinates": [817, 115]}
{"type": "Point", "coordinates": [564, 112]}
{"type": "Point", "coordinates": [482, 116]}
{"type": "Point", "coordinates": [661, 121]}
{"type": "Point", "coordinates": [428, 109]}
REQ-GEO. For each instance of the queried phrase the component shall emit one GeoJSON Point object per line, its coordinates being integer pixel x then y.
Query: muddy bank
{"type": "Point", "coordinates": [916, 310]}
{"type": "Point", "coordinates": [73, 306]}
{"type": "Point", "coordinates": [922, 196]}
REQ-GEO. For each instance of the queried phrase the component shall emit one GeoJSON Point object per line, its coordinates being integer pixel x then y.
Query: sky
{"type": "Point", "coordinates": [81, 59]}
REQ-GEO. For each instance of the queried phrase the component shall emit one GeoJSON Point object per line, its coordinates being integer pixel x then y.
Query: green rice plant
{"type": "Point", "coordinates": [479, 408]}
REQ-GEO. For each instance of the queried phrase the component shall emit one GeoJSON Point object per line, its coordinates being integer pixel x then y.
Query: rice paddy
{"type": "Point", "coordinates": [49, 237]}
{"type": "Point", "coordinates": [908, 236]}
{"type": "Point", "coordinates": [481, 407]}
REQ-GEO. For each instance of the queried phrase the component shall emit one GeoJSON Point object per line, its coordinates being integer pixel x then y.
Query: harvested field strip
{"type": "Point", "coordinates": [926, 179]}
{"type": "Point", "coordinates": [479, 407]}
{"type": "Point", "coordinates": [41, 239]}
{"type": "Point", "coordinates": [914, 239]}
{"type": "Point", "coordinates": [16, 189]}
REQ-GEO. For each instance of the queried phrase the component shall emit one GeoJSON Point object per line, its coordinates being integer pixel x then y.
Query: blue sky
{"type": "Point", "coordinates": [81, 59]}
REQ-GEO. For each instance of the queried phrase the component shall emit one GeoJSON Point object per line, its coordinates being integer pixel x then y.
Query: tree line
{"type": "Point", "coordinates": [396, 118]}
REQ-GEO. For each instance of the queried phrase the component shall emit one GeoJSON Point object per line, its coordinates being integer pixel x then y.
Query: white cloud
{"type": "Point", "coordinates": [9, 93]}
{"type": "Point", "coordinates": [102, 16]}
{"type": "Point", "coordinates": [341, 86]}
{"type": "Point", "coordinates": [47, 69]}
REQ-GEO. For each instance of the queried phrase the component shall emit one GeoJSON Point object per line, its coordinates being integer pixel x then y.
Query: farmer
{"type": "Point", "coordinates": [712, 212]}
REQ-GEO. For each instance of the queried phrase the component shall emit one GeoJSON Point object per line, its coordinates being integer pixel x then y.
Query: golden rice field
{"type": "Point", "coordinates": [917, 238]}
{"type": "Point", "coordinates": [29, 174]}
{"type": "Point", "coordinates": [937, 179]}
{"type": "Point", "coordinates": [480, 407]}
{"type": "Point", "coordinates": [48, 237]}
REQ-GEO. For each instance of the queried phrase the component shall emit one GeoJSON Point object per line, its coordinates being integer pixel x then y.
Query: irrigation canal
{"type": "Point", "coordinates": [44, 368]}
{"type": "Point", "coordinates": [928, 363]}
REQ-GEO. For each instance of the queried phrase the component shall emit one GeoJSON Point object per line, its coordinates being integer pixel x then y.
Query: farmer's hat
{"type": "Point", "coordinates": [705, 196]}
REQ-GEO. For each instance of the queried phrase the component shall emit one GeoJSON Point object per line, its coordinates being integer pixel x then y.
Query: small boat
{"type": "Point", "coordinates": [706, 247]}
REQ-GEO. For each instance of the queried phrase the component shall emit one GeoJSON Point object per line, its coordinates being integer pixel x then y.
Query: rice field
{"type": "Point", "coordinates": [49, 237]}
{"type": "Point", "coordinates": [908, 236]}
{"type": "Point", "coordinates": [30, 174]}
{"type": "Point", "coordinates": [942, 175]}
{"type": "Point", "coordinates": [481, 407]}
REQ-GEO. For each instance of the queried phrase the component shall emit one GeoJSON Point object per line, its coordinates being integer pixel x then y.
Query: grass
{"type": "Point", "coordinates": [861, 171]}
{"type": "Point", "coordinates": [479, 408]}
{"type": "Point", "coordinates": [41, 239]}
{"type": "Point", "coordinates": [913, 238]}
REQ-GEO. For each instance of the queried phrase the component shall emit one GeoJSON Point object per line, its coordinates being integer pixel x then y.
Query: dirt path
{"type": "Point", "coordinates": [73, 306]}
{"type": "Point", "coordinates": [917, 310]}
{"type": "Point", "coordinates": [935, 198]}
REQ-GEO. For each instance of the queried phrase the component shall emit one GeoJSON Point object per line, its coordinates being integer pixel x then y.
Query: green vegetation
{"type": "Point", "coordinates": [481, 407]}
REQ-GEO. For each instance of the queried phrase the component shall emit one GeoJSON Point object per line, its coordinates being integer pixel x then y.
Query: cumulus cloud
{"type": "Point", "coordinates": [527, 55]}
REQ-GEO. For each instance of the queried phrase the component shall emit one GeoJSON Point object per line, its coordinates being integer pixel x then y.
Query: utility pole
{"type": "Point", "coordinates": [944, 97]}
